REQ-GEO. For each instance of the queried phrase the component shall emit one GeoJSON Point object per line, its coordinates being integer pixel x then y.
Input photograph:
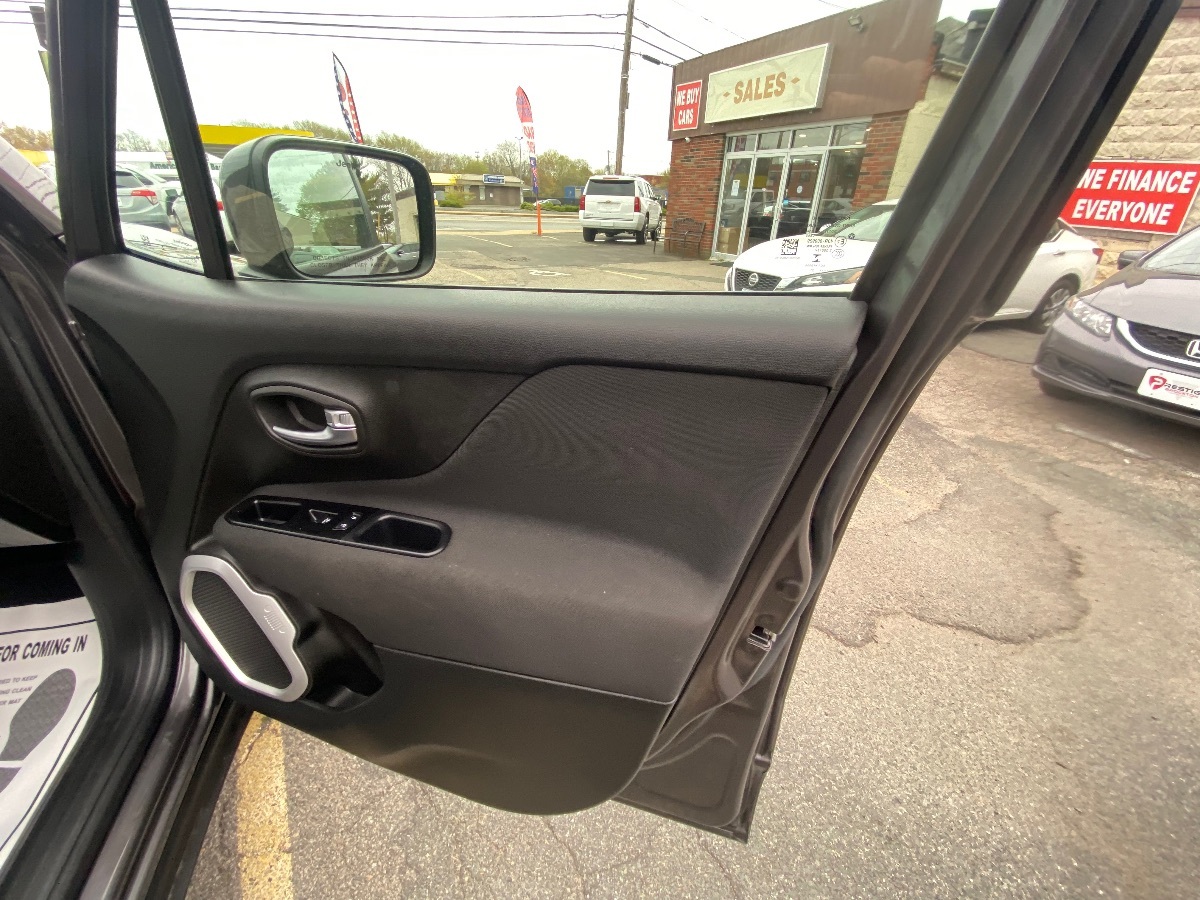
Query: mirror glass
{"type": "Point", "coordinates": [343, 215]}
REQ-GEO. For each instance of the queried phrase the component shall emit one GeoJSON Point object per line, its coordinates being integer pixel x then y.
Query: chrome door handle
{"type": "Point", "coordinates": [340, 431]}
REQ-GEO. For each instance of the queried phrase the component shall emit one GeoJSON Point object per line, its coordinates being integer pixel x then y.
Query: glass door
{"type": "Point", "coordinates": [731, 214]}
{"type": "Point", "coordinates": [764, 199]}
{"type": "Point", "coordinates": [799, 194]}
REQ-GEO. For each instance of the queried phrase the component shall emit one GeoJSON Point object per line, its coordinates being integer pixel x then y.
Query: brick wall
{"type": "Point", "coordinates": [879, 158]}
{"type": "Point", "coordinates": [1160, 121]}
{"type": "Point", "coordinates": [695, 183]}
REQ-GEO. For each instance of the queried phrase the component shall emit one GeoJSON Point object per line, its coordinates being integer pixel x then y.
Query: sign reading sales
{"type": "Point", "coordinates": [1128, 195]}
{"type": "Point", "coordinates": [785, 83]}
{"type": "Point", "coordinates": [687, 106]}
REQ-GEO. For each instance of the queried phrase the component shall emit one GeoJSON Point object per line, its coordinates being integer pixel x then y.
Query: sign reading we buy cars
{"type": "Point", "coordinates": [1128, 195]}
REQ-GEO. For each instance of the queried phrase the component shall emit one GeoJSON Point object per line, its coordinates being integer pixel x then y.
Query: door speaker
{"type": "Point", "coordinates": [249, 631]}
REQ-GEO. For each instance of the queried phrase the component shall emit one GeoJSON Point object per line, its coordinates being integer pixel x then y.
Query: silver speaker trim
{"type": "Point", "coordinates": [271, 618]}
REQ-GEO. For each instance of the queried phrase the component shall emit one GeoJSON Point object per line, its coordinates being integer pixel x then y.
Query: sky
{"type": "Point", "coordinates": [448, 97]}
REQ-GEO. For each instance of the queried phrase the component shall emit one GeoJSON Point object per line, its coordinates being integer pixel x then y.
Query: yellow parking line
{"type": "Point", "coordinates": [263, 836]}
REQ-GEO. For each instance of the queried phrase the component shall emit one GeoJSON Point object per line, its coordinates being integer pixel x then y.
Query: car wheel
{"type": "Point", "coordinates": [639, 237]}
{"type": "Point", "coordinates": [589, 234]}
{"type": "Point", "coordinates": [1053, 390]}
{"type": "Point", "coordinates": [1052, 304]}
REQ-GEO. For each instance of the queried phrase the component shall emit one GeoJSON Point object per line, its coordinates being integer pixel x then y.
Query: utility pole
{"type": "Point", "coordinates": [623, 100]}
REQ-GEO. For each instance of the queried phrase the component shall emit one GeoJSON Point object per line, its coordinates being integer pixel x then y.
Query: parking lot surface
{"type": "Point", "coordinates": [999, 696]}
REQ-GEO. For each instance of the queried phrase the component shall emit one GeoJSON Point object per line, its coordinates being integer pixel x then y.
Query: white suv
{"type": "Point", "coordinates": [619, 204]}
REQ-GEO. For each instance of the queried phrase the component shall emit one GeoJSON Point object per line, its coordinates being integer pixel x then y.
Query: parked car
{"type": "Point", "coordinates": [1133, 339]}
{"type": "Point", "coordinates": [169, 188]}
{"type": "Point", "coordinates": [619, 204]}
{"type": "Point", "coordinates": [139, 201]}
{"type": "Point", "coordinates": [830, 262]}
{"type": "Point", "coordinates": [181, 217]}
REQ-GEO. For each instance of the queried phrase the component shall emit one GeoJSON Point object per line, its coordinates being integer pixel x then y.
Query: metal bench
{"type": "Point", "coordinates": [686, 237]}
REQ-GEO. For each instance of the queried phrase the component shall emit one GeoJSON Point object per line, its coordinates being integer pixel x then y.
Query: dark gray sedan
{"type": "Point", "coordinates": [1133, 339]}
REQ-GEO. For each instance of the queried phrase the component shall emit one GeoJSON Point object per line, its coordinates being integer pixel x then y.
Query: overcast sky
{"type": "Point", "coordinates": [454, 98]}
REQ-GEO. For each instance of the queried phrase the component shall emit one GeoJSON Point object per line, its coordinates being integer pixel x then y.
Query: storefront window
{"type": "Point", "coordinates": [739, 143]}
{"type": "Point", "coordinates": [851, 135]}
{"type": "Point", "coordinates": [775, 193]}
{"type": "Point", "coordinates": [811, 137]}
{"type": "Point", "coordinates": [773, 140]}
{"type": "Point", "coordinates": [841, 180]}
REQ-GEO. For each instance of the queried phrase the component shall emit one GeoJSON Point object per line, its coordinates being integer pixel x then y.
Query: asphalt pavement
{"type": "Point", "coordinates": [999, 696]}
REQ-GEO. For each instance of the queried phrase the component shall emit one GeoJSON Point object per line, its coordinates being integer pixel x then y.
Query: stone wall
{"type": "Point", "coordinates": [923, 120]}
{"type": "Point", "coordinates": [1160, 121]}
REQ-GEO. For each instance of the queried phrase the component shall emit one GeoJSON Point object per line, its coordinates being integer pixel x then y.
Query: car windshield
{"type": "Point", "coordinates": [610, 188]}
{"type": "Point", "coordinates": [1180, 257]}
{"type": "Point", "coordinates": [865, 225]}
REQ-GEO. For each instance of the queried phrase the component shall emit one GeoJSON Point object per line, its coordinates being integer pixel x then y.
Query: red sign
{"type": "Point", "coordinates": [1128, 195]}
{"type": "Point", "coordinates": [687, 106]}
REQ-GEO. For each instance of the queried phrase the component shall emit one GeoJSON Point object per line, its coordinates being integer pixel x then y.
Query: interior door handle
{"type": "Point", "coordinates": [340, 431]}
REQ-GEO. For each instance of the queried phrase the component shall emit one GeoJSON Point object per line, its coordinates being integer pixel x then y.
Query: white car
{"type": "Point", "coordinates": [620, 204]}
{"type": "Point", "coordinates": [830, 262]}
{"type": "Point", "coordinates": [181, 217]}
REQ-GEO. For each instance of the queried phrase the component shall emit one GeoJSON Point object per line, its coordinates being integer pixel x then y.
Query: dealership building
{"type": "Point", "coordinates": [786, 133]}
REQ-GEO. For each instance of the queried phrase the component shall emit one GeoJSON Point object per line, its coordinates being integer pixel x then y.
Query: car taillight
{"type": "Point", "coordinates": [582, 200]}
{"type": "Point", "coordinates": [637, 204]}
{"type": "Point", "coordinates": [220, 206]}
{"type": "Point", "coordinates": [1098, 252]}
{"type": "Point", "coordinates": [144, 192]}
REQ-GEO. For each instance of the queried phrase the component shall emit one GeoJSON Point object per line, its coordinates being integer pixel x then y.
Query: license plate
{"type": "Point", "coordinates": [1171, 387]}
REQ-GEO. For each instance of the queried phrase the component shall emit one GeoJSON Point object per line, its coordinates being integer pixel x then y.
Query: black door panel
{"type": "Point", "coordinates": [172, 346]}
{"type": "Point", "coordinates": [600, 517]}
{"type": "Point", "coordinates": [604, 463]}
{"type": "Point", "coordinates": [411, 421]}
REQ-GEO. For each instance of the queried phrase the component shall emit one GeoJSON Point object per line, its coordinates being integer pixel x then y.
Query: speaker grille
{"type": "Point", "coordinates": [237, 631]}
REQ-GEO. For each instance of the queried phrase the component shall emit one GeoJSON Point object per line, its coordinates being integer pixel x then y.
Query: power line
{"type": "Point", "coordinates": [364, 15]}
{"type": "Point", "coordinates": [249, 19]}
{"type": "Point", "coordinates": [708, 20]}
{"type": "Point", "coordinates": [437, 30]}
{"type": "Point", "coordinates": [670, 37]}
{"type": "Point", "coordinates": [418, 28]}
{"type": "Point", "coordinates": [370, 37]}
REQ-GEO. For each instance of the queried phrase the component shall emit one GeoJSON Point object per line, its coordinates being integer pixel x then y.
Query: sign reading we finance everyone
{"type": "Point", "coordinates": [1134, 195]}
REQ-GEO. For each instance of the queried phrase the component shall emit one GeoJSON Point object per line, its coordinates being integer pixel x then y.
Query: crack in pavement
{"type": "Point", "coordinates": [576, 867]}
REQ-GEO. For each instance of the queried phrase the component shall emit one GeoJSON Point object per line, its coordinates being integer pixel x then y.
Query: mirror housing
{"type": "Point", "coordinates": [306, 208]}
{"type": "Point", "coordinates": [1127, 258]}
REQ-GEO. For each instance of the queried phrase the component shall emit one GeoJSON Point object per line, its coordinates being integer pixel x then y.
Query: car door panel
{"type": "Point", "coordinates": [572, 508]}
{"type": "Point", "coordinates": [618, 609]}
{"type": "Point", "coordinates": [602, 483]}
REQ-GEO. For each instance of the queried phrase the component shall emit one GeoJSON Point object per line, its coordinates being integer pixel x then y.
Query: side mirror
{"type": "Point", "coordinates": [1128, 258]}
{"type": "Point", "coordinates": [307, 208]}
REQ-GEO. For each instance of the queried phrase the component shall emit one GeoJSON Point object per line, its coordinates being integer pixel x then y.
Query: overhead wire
{"type": "Point", "coordinates": [708, 20]}
{"type": "Point", "coordinates": [668, 36]}
{"type": "Point", "coordinates": [185, 19]}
